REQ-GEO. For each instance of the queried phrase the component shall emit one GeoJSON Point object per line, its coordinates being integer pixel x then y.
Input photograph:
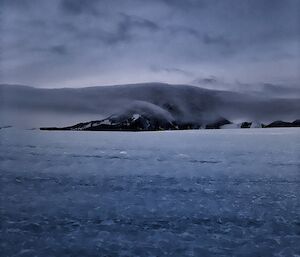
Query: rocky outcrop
{"type": "Point", "coordinates": [246, 124]}
{"type": "Point", "coordinates": [283, 124]}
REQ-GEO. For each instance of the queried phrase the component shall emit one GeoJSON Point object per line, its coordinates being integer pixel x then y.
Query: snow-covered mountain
{"type": "Point", "coordinates": [138, 122]}
{"type": "Point", "coordinates": [169, 104]}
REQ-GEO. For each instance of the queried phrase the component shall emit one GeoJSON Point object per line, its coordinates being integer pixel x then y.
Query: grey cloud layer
{"type": "Point", "coordinates": [78, 42]}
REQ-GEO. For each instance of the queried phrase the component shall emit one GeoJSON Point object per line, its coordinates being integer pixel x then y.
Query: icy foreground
{"type": "Point", "coordinates": [180, 193]}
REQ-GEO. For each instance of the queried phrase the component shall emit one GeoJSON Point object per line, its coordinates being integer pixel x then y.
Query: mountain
{"type": "Point", "coordinates": [138, 122]}
{"type": "Point", "coordinates": [134, 122]}
{"type": "Point", "coordinates": [283, 124]}
{"type": "Point", "coordinates": [180, 105]}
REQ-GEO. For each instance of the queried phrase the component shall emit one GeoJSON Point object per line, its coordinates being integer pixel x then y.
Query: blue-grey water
{"type": "Point", "coordinates": [180, 193]}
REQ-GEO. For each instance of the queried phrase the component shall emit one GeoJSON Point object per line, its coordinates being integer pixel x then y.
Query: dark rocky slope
{"type": "Point", "coordinates": [283, 124]}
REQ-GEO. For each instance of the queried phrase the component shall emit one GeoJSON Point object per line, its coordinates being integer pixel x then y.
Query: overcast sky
{"type": "Point", "coordinates": [76, 43]}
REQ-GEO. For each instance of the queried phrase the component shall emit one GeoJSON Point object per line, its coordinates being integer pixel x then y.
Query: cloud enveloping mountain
{"type": "Point", "coordinates": [178, 103]}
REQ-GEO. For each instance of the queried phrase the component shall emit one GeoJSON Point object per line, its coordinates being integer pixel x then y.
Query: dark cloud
{"type": "Point", "coordinates": [217, 40]}
{"type": "Point", "coordinates": [59, 49]}
{"type": "Point", "coordinates": [207, 80]}
{"type": "Point", "coordinates": [126, 29]}
{"type": "Point", "coordinates": [76, 7]}
{"type": "Point", "coordinates": [78, 42]}
{"type": "Point", "coordinates": [138, 22]}
{"type": "Point", "coordinates": [183, 31]}
{"type": "Point", "coordinates": [186, 5]}
{"type": "Point", "coordinates": [171, 70]}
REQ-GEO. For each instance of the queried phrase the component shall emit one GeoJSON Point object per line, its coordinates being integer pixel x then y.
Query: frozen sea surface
{"type": "Point", "coordinates": [180, 193]}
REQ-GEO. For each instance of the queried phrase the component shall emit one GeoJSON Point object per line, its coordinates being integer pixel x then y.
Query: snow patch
{"type": "Point", "coordinates": [135, 116]}
{"type": "Point", "coordinates": [105, 122]}
{"type": "Point", "coordinates": [255, 124]}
